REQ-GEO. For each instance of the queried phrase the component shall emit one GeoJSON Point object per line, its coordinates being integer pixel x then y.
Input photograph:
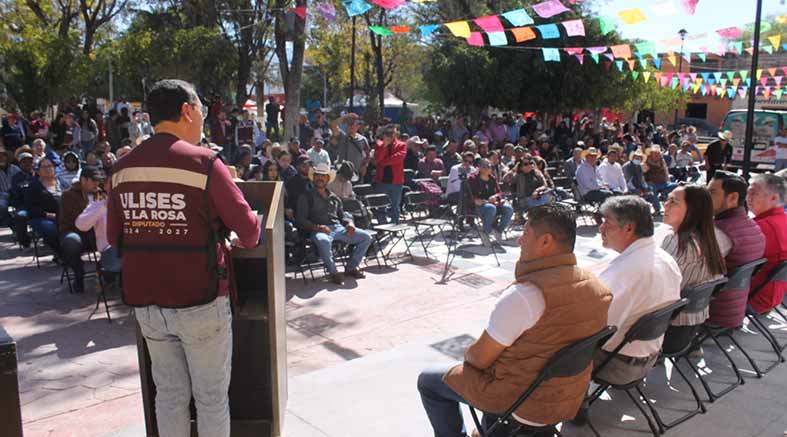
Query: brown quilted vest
{"type": "Point", "coordinates": [576, 307]}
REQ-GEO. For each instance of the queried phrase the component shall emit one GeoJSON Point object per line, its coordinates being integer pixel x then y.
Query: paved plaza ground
{"type": "Point", "coordinates": [354, 352]}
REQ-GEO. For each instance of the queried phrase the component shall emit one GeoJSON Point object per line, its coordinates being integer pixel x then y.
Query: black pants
{"type": "Point", "coordinates": [72, 245]}
{"type": "Point", "coordinates": [598, 196]}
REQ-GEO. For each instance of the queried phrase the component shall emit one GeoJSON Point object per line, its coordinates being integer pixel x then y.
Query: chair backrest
{"type": "Point", "coordinates": [415, 199]}
{"type": "Point", "coordinates": [377, 201]}
{"type": "Point", "coordinates": [654, 324]}
{"type": "Point", "coordinates": [740, 278]}
{"type": "Point", "coordinates": [409, 174]}
{"type": "Point", "coordinates": [352, 206]}
{"type": "Point", "coordinates": [699, 296]}
{"type": "Point", "coordinates": [443, 182]}
{"type": "Point", "coordinates": [562, 181]}
{"type": "Point", "coordinates": [568, 361]}
{"type": "Point", "coordinates": [363, 190]}
{"type": "Point", "coordinates": [416, 181]}
{"type": "Point", "coordinates": [777, 274]}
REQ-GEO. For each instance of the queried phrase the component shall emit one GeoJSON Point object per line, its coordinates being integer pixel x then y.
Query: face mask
{"type": "Point", "coordinates": [636, 161]}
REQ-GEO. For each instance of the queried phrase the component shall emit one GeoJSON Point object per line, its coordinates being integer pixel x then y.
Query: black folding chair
{"type": "Point", "coordinates": [728, 309]}
{"type": "Point", "coordinates": [363, 190]}
{"type": "Point", "coordinates": [699, 298]}
{"type": "Point", "coordinates": [649, 327]}
{"type": "Point", "coordinates": [443, 182]}
{"type": "Point", "coordinates": [101, 296]}
{"type": "Point", "coordinates": [777, 274]}
{"type": "Point", "coordinates": [396, 232]}
{"type": "Point", "coordinates": [426, 227]}
{"type": "Point", "coordinates": [583, 206]}
{"type": "Point", "coordinates": [355, 208]}
{"type": "Point", "coordinates": [568, 361]}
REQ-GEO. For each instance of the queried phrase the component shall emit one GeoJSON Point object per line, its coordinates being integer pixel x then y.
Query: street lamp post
{"type": "Point", "coordinates": [682, 33]}
{"type": "Point", "coordinates": [748, 142]}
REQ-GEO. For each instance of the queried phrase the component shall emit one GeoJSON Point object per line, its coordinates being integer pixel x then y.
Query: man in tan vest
{"type": "Point", "coordinates": [552, 304]}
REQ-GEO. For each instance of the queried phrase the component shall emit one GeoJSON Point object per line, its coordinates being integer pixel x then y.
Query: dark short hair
{"type": "Point", "coordinates": [431, 148]}
{"type": "Point", "coordinates": [166, 97]}
{"type": "Point", "coordinates": [630, 210]}
{"type": "Point", "coordinates": [558, 220]}
{"type": "Point", "coordinates": [732, 183]}
{"type": "Point", "coordinates": [468, 154]}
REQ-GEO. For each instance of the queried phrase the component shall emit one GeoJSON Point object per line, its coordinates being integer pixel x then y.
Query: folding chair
{"type": "Point", "coordinates": [649, 327]}
{"type": "Point", "coordinates": [443, 182]}
{"type": "Point", "coordinates": [568, 361]}
{"type": "Point", "coordinates": [583, 206]}
{"type": "Point", "coordinates": [359, 213]}
{"type": "Point", "coordinates": [699, 298]}
{"type": "Point", "coordinates": [70, 276]}
{"type": "Point", "coordinates": [777, 274]}
{"type": "Point", "coordinates": [101, 296]}
{"type": "Point", "coordinates": [727, 311]}
{"type": "Point", "coordinates": [363, 190]}
{"type": "Point", "coordinates": [396, 232]}
{"type": "Point", "coordinates": [426, 227]}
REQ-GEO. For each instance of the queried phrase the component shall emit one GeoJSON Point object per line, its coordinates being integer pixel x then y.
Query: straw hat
{"type": "Point", "coordinates": [323, 169]}
{"type": "Point", "coordinates": [726, 135]}
{"type": "Point", "coordinates": [591, 151]}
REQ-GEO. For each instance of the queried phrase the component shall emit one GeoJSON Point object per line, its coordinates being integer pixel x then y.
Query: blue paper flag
{"type": "Point", "coordinates": [619, 64]}
{"type": "Point", "coordinates": [657, 63]}
{"type": "Point", "coordinates": [551, 54]}
{"type": "Point", "coordinates": [356, 7]}
{"type": "Point", "coordinates": [428, 29]}
{"type": "Point", "coordinates": [549, 31]}
{"type": "Point", "coordinates": [784, 46]}
{"type": "Point", "coordinates": [705, 75]}
{"type": "Point", "coordinates": [731, 92]}
{"type": "Point", "coordinates": [594, 56]}
{"type": "Point", "coordinates": [711, 81]}
{"type": "Point", "coordinates": [497, 38]}
{"type": "Point", "coordinates": [518, 17]}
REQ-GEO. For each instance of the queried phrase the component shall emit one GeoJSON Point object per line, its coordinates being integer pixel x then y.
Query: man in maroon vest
{"type": "Point", "coordinates": [170, 206]}
{"type": "Point", "coordinates": [552, 304]}
{"type": "Point", "coordinates": [740, 240]}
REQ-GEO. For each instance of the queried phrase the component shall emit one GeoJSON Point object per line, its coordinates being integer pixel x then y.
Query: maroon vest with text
{"type": "Point", "coordinates": [168, 245]}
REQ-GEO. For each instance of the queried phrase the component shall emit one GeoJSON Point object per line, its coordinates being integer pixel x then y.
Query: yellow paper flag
{"type": "Point", "coordinates": [775, 41]}
{"type": "Point", "coordinates": [632, 16]}
{"type": "Point", "coordinates": [759, 73]}
{"type": "Point", "coordinates": [459, 28]}
{"type": "Point", "coordinates": [646, 75]}
{"type": "Point", "coordinates": [781, 19]}
{"type": "Point", "coordinates": [672, 60]}
{"type": "Point", "coordinates": [696, 88]}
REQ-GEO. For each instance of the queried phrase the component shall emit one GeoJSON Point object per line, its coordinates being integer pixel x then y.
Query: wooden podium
{"type": "Point", "coordinates": [258, 387]}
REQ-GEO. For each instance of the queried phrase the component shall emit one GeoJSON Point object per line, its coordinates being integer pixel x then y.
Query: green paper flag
{"type": "Point", "coordinates": [647, 48]}
{"type": "Point", "coordinates": [594, 56]}
{"type": "Point", "coordinates": [778, 94]}
{"type": "Point", "coordinates": [744, 74]}
{"type": "Point", "coordinates": [701, 56]}
{"type": "Point", "coordinates": [635, 75]}
{"type": "Point", "coordinates": [607, 24]}
{"type": "Point", "coordinates": [730, 75]}
{"type": "Point", "coordinates": [380, 30]}
{"type": "Point", "coordinates": [723, 82]}
{"type": "Point", "coordinates": [768, 49]}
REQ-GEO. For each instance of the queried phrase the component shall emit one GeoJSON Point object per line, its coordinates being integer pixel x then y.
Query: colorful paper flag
{"type": "Point", "coordinates": [301, 12]}
{"type": "Point", "coordinates": [646, 75]}
{"type": "Point", "coordinates": [778, 94]}
{"type": "Point", "coordinates": [328, 11]}
{"type": "Point", "coordinates": [689, 6]}
{"type": "Point", "coordinates": [594, 57]}
{"type": "Point", "coordinates": [573, 50]}
{"type": "Point", "coordinates": [631, 63]}
{"type": "Point", "coordinates": [400, 29]}
{"type": "Point", "coordinates": [778, 80]}
{"type": "Point", "coordinates": [729, 32]}
{"type": "Point", "coordinates": [619, 64]}
{"type": "Point", "coordinates": [768, 49]}
{"type": "Point", "coordinates": [459, 28]}
{"type": "Point", "coordinates": [574, 27]}
{"type": "Point", "coordinates": [657, 63]}
{"type": "Point", "coordinates": [635, 75]}
{"type": "Point", "coordinates": [702, 56]}
{"type": "Point", "coordinates": [607, 24]}
{"type": "Point", "coordinates": [548, 31]}
{"type": "Point", "coordinates": [518, 17]}
{"type": "Point", "coordinates": [744, 74]}
{"type": "Point", "coordinates": [673, 60]}
{"type": "Point", "coordinates": [549, 8]}
{"type": "Point", "coordinates": [522, 34]}
{"type": "Point", "coordinates": [497, 38]}
{"type": "Point", "coordinates": [428, 29]}
{"type": "Point", "coordinates": [551, 54]}
{"type": "Point", "coordinates": [647, 48]}
{"type": "Point", "coordinates": [490, 23]}
{"type": "Point", "coordinates": [632, 16]}
{"type": "Point", "coordinates": [609, 56]}
{"type": "Point", "coordinates": [475, 39]}
{"type": "Point", "coordinates": [380, 30]}
{"type": "Point", "coordinates": [580, 59]}
{"type": "Point", "coordinates": [356, 7]}
{"type": "Point", "coordinates": [621, 51]}
{"type": "Point", "coordinates": [775, 40]}
{"type": "Point", "coordinates": [772, 71]}
{"type": "Point", "coordinates": [596, 49]}
{"type": "Point", "coordinates": [759, 73]}
{"type": "Point", "coordinates": [389, 4]}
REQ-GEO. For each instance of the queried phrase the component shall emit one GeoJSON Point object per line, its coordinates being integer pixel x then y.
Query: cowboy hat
{"type": "Point", "coordinates": [653, 149]}
{"type": "Point", "coordinates": [590, 151]}
{"type": "Point", "coordinates": [417, 140]}
{"type": "Point", "coordinates": [726, 135]}
{"type": "Point", "coordinates": [324, 169]}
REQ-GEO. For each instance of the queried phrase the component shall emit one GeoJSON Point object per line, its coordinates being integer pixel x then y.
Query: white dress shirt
{"type": "Point", "coordinates": [454, 181]}
{"type": "Point", "coordinates": [612, 176]}
{"type": "Point", "coordinates": [642, 278]}
{"type": "Point", "coordinates": [94, 216]}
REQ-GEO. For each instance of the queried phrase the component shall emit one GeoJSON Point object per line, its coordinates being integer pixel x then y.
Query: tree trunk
{"type": "Point", "coordinates": [244, 73]}
{"type": "Point", "coordinates": [291, 73]}
{"type": "Point", "coordinates": [89, 39]}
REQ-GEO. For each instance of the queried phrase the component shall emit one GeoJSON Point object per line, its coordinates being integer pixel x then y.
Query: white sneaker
{"type": "Point", "coordinates": [485, 239]}
{"type": "Point", "coordinates": [498, 236]}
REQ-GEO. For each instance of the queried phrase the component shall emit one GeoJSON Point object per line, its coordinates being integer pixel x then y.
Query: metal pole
{"type": "Point", "coordinates": [352, 68]}
{"type": "Point", "coordinates": [111, 88]}
{"type": "Point", "coordinates": [680, 68]}
{"type": "Point", "coordinates": [755, 58]}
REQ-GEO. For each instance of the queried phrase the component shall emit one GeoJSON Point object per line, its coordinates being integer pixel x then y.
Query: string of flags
{"type": "Point", "coordinates": [722, 84]}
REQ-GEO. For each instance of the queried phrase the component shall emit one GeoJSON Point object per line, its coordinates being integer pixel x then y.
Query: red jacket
{"type": "Point", "coordinates": [395, 160]}
{"type": "Point", "coordinates": [773, 224]}
{"type": "Point", "coordinates": [158, 218]}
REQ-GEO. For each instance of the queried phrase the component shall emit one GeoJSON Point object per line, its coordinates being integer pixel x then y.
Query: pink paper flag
{"type": "Point", "coordinates": [693, 76]}
{"type": "Point", "coordinates": [574, 28]}
{"type": "Point", "coordinates": [573, 50]}
{"type": "Point", "coordinates": [580, 58]}
{"type": "Point", "coordinates": [475, 39]}
{"type": "Point", "coordinates": [388, 4]}
{"type": "Point", "coordinates": [621, 51]}
{"type": "Point", "coordinates": [490, 23]}
{"type": "Point", "coordinates": [778, 80]}
{"type": "Point", "coordinates": [763, 81]}
{"type": "Point", "coordinates": [689, 6]}
{"type": "Point", "coordinates": [549, 8]}
{"type": "Point", "coordinates": [328, 11]}
{"type": "Point", "coordinates": [784, 69]}
{"type": "Point", "coordinates": [729, 32]}
{"type": "Point", "coordinates": [664, 81]}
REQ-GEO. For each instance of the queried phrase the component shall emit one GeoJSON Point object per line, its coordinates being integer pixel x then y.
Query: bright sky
{"type": "Point", "coordinates": [710, 15]}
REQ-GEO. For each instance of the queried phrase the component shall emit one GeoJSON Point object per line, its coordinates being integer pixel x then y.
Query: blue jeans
{"type": "Point", "coordinates": [361, 240]}
{"type": "Point", "coordinates": [72, 245]}
{"type": "Point", "coordinates": [190, 354]}
{"type": "Point", "coordinates": [48, 230]}
{"type": "Point", "coordinates": [442, 403]}
{"type": "Point", "coordinates": [780, 164]}
{"type": "Point", "coordinates": [110, 260]}
{"type": "Point", "coordinates": [664, 187]}
{"type": "Point", "coordinates": [489, 213]}
{"type": "Point", "coordinates": [394, 192]}
{"type": "Point", "coordinates": [5, 217]}
{"type": "Point", "coordinates": [528, 203]}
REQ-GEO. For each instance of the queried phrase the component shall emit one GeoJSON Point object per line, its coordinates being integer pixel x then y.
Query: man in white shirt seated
{"type": "Point", "coordinates": [589, 183]}
{"type": "Point", "coordinates": [94, 216]}
{"type": "Point", "coordinates": [611, 172]}
{"type": "Point", "coordinates": [642, 278]}
{"type": "Point", "coordinates": [553, 303]}
{"type": "Point", "coordinates": [459, 173]}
